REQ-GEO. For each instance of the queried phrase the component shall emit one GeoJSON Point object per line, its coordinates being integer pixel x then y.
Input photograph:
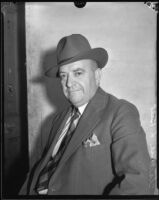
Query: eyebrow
{"type": "Point", "coordinates": [79, 69]}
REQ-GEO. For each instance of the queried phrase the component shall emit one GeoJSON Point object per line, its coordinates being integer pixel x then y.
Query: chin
{"type": "Point", "coordinates": [76, 103]}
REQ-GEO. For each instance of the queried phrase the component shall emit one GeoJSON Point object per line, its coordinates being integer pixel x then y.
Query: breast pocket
{"type": "Point", "coordinates": [94, 153]}
{"type": "Point", "coordinates": [94, 163]}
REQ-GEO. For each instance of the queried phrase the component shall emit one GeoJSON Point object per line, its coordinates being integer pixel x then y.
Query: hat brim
{"type": "Point", "coordinates": [100, 55]}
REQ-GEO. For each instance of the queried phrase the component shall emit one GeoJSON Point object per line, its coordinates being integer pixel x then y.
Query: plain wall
{"type": "Point", "coordinates": [126, 30]}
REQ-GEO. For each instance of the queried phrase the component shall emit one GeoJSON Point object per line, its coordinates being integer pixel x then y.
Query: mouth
{"type": "Point", "coordinates": [72, 91]}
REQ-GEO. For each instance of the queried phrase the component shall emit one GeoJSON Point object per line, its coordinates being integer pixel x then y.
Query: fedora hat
{"type": "Point", "coordinates": [73, 48]}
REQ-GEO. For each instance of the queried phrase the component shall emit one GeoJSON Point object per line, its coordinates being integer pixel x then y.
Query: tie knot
{"type": "Point", "coordinates": [76, 113]}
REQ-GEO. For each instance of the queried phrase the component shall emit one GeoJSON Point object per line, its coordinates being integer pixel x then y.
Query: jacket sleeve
{"type": "Point", "coordinates": [23, 190]}
{"type": "Point", "coordinates": [130, 157]}
{"type": "Point", "coordinates": [26, 185]}
{"type": "Point", "coordinates": [44, 145]}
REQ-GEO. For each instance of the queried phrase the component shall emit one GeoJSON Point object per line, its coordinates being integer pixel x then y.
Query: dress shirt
{"type": "Point", "coordinates": [64, 131]}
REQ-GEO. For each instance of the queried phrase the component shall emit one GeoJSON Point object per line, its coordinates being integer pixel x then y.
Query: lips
{"type": "Point", "coordinates": [71, 91]}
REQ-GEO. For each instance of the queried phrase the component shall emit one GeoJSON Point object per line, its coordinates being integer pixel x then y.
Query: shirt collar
{"type": "Point", "coordinates": [82, 108]}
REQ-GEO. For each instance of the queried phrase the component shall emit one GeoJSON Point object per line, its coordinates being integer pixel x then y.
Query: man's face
{"type": "Point", "coordinates": [79, 81]}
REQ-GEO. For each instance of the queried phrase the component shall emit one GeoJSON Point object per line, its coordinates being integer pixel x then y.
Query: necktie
{"type": "Point", "coordinates": [51, 166]}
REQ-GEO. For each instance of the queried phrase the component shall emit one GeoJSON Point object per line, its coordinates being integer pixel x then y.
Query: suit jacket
{"type": "Point", "coordinates": [119, 164]}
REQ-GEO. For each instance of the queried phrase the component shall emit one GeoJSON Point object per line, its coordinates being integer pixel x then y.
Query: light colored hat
{"type": "Point", "coordinates": [74, 48]}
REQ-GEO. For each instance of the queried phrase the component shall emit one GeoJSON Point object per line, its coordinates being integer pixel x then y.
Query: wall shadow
{"type": "Point", "coordinates": [55, 97]}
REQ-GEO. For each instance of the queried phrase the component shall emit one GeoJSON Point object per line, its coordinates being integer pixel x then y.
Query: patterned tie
{"type": "Point", "coordinates": [51, 166]}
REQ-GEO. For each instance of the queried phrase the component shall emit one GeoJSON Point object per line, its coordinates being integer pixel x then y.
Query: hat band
{"type": "Point", "coordinates": [64, 60]}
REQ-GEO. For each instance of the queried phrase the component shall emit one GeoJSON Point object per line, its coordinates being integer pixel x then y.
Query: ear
{"type": "Point", "coordinates": [98, 73]}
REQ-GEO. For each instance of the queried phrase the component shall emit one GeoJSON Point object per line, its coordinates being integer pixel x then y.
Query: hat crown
{"type": "Point", "coordinates": [71, 46]}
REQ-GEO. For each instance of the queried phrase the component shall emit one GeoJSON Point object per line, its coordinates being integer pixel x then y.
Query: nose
{"type": "Point", "coordinates": [69, 81]}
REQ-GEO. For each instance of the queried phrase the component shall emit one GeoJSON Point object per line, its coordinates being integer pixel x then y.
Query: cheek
{"type": "Point", "coordinates": [90, 88]}
{"type": "Point", "coordinates": [87, 86]}
{"type": "Point", "coordinates": [64, 88]}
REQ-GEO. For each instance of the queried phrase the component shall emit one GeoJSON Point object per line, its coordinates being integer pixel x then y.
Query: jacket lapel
{"type": "Point", "coordinates": [58, 127]}
{"type": "Point", "coordinates": [53, 139]}
{"type": "Point", "coordinates": [88, 121]}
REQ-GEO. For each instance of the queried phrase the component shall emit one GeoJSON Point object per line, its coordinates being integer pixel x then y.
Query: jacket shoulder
{"type": "Point", "coordinates": [117, 104]}
{"type": "Point", "coordinates": [125, 118]}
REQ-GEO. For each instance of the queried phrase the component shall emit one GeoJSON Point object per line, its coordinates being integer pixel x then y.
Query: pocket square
{"type": "Point", "coordinates": [93, 141]}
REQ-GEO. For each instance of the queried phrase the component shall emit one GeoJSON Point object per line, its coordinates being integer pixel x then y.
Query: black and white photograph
{"type": "Point", "coordinates": [79, 90]}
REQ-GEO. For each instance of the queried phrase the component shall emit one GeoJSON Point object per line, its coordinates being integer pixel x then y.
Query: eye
{"type": "Point", "coordinates": [78, 73]}
{"type": "Point", "coordinates": [62, 76]}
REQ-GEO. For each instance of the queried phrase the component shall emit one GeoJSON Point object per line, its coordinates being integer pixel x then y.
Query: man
{"type": "Point", "coordinates": [103, 149]}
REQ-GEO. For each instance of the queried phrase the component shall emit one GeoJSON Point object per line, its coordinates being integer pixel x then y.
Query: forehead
{"type": "Point", "coordinates": [81, 64]}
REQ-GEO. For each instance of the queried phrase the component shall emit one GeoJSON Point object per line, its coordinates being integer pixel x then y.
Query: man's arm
{"type": "Point", "coordinates": [44, 146]}
{"type": "Point", "coordinates": [26, 185]}
{"type": "Point", "coordinates": [130, 157]}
